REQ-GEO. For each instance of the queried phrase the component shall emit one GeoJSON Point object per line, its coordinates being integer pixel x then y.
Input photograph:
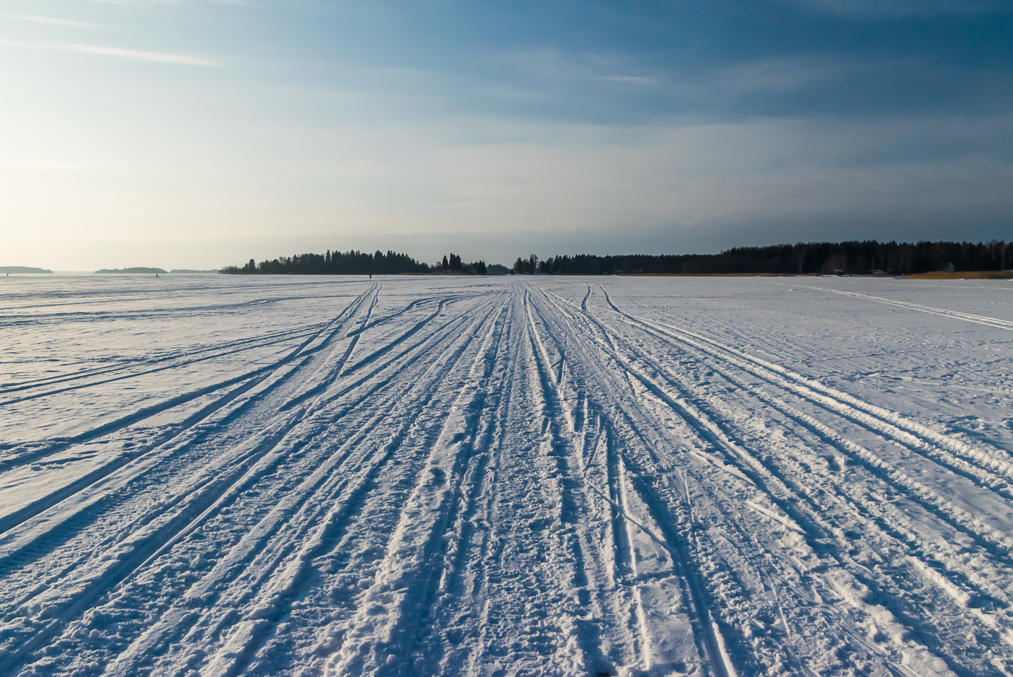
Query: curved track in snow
{"type": "Point", "coordinates": [453, 476]}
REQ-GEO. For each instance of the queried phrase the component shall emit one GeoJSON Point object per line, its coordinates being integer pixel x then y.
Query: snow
{"type": "Point", "coordinates": [450, 475]}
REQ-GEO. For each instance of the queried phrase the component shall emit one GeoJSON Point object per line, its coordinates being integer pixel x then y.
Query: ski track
{"type": "Point", "coordinates": [993, 322]}
{"type": "Point", "coordinates": [503, 476]}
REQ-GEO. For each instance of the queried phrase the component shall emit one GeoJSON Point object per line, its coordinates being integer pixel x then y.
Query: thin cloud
{"type": "Point", "coordinates": [638, 80]}
{"type": "Point", "coordinates": [234, 3]}
{"type": "Point", "coordinates": [56, 21]}
{"type": "Point", "coordinates": [120, 52]}
{"type": "Point", "coordinates": [789, 73]}
{"type": "Point", "coordinates": [559, 65]}
{"type": "Point", "coordinates": [143, 55]}
{"type": "Point", "coordinates": [134, 2]}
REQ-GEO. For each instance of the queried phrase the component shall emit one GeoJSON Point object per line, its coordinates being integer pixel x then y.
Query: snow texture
{"type": "Point", "coordinates": [478, 476]}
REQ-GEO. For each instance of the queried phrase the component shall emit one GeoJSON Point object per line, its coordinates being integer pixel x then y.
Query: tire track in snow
{"type": "Point", "coordinates": [408, 579]}
{"type": "Point", "coordinates": [669, 513]}
{"type": "Point", "coordinates": [892, 423]}
{"type": "Point", "coordinates": [254, 557]}
{"type": "Point", "coordinates": [786, 496]}
{"type": "Point", "coordinates": [225, 425]}
{"type": "Point", "coordinates": [149, 540]}
{"type": "Point", "coordinates": [292, 423]}
{"type": "Point", "coordinates": [177, 433]}
{"type": "Point", "coordinates": [748, 467]}
{"type": "Point", "coordinates": [861, 457]}
{"type": "Point", "coordinates": [177, 360]}
{"type": "Point", "coordinates": [993, 322]}
{"type": "Point", "coordinates": [63, 318]}
{"type": "Point", "coordinates": [335, 370]}
{"type": "Point", "coordinates": [622, 526]}
{"type": "Point", "coordinates": [521, 577]}
{"type": "Point", "coordinates": [441, 639]}
{"type": "Point", "coordinates": [987, 467]}
{"type": "Point", "coordinates": [819, 535]}
{"type": "Point", "coordinates": [467, 588]}
{"type": "Point", "coordinates": [303, 351]}
{"type": "Point", "coordinates": [561, 428]}
{"type": "Point", "coordinates": [251, 633]}
{"type": "Point", "coordinates": [156, 553]}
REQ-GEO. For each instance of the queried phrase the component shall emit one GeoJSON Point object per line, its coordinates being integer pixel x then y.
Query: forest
{"type": "Point", "coordinates": [357, 263]}
{"type": "Point", "coordinates": [828, 258]}
{"type": "Point", "coordinates": [840, 258]}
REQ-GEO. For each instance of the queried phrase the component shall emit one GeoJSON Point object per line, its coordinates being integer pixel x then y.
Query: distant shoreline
{"type": "Point", "coordinates": [23, 270]}
{"type": "Point", "coordinates": [136, 270]}
{"type": "Point", "coordinates": [851, 257]}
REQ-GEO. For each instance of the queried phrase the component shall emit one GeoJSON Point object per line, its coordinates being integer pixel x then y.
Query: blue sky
{"type": "Point", "coordinates": [200, 133]}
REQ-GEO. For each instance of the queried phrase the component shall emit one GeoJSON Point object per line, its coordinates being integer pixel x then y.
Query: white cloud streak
{"type": "Point", "coordinates": [234, 3]}
{"type": "Point", "coordinates": [119, 52]}
{"type": "Point", "coordinates": [57, 21]}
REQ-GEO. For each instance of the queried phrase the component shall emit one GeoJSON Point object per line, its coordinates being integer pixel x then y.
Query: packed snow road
{"type": "Point", "coordinates": [230, 475]}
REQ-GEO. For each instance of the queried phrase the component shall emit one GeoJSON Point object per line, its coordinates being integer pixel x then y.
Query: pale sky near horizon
{"type": "Point", "coordinates": [195, 133]}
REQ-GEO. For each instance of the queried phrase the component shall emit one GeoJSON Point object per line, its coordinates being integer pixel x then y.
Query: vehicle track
{"type": "Point", "coordinates": [254, 555]}
{"type": "Point", "coordinates": [989, 473]}
{"type": "Point", "coordinates": [177, 359]}
{"type": "Point", "coordinates": [993, 322]}
{"type": "Point", "coordinates": [150, 537]}
{"type": "Point", "coordinates": [241, 462]}
{"type": "Point", "coordinates": [712, 431]}
{"type": "Point", "coordinates": [512, 476]}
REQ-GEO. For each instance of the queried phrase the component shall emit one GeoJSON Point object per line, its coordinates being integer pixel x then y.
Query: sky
{"type": "Point", "coordinates": [200, 133]}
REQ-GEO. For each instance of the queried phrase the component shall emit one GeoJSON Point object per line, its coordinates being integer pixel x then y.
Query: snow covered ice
{"type": "Point", "coordinates": [473, 476]}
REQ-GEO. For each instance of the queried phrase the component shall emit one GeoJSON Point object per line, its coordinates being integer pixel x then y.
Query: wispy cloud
{"type": "Point", "coordinates": [788, 73]}
{"type": "Point", "coordinates": [143, 55]}
{"type": "Point", "coordinates": [637, 80]}
{"type": "Point", "coordinates": [559, 65]}
{"type": "Point", "coordinates": [235, 3]}
{"type": "Point", "coordinates": [56, 21]}
{"type": "Point", "coordinates": [120, 52]}
{"type": "Point", "coordinates": [134, 2]}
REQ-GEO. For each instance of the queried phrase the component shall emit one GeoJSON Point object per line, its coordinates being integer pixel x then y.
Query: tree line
{"type": "Point", "coordinates": [852, 257]}
{"type": "Point", "coordinates": [355, 263]}
{"type": "Point", "coordinates": [454, 264]}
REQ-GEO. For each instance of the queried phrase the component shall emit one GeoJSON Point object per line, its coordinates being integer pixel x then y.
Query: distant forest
{"type": "Point", "coordinates": [854, 257]}
{"type": "Point", "coordinates": [360, 263]}
{"type": "Point", "coordinates": [7, 270]}
{"type": "Point", "coordinates": [135, 270]}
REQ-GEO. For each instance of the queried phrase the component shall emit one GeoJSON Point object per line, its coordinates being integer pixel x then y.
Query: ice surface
{"type": "Point", "coordinates": [449, 475]}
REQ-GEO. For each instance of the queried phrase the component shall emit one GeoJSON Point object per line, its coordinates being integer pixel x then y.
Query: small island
{"type": "Point", "coordinates": [23, 270]}
{"type": "Point", "coordinates": [137, 270]}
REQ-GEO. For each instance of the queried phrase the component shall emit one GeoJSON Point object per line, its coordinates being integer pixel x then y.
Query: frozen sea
{"type": "Point", "coordinates": [222, 475]}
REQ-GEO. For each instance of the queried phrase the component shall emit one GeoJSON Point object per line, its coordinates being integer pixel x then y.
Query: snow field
{"type": "Point", "coordinates": [231, 475]}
